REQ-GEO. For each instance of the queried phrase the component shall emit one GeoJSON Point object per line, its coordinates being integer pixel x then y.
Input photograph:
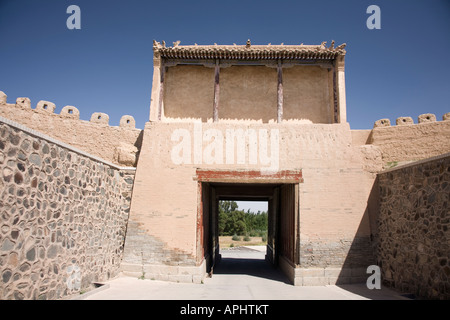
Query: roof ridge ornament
{"type": "Point", "coordinates": [332, 45]}
{"type": "Point", "coordinates": [249, 44]}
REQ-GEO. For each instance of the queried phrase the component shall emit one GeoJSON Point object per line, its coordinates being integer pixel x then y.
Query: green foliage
{"type": "Point", "coordinates": [235, 237]}
{"type": "Point", "coordinates": [392, 164]}
{"type": "Point", "coordinates": [237, 222]}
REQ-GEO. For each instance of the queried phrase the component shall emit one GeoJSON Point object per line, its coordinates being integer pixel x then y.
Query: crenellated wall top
{"type": "Point", "coordinates": [69, 112]}
{"type": "Point", "coordinates": [403, 121]}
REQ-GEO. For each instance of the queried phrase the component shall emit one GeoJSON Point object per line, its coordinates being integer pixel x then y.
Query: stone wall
{"type": "Point", "coordinates": [117, 144]}
{"type": "Point", "coordinates": [63, 216]}
{"type": "Point", "coordinates": [414, 228]}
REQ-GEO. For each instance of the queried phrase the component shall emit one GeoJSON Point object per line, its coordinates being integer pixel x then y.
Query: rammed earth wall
{"type": "Point", "coordinates": [63, 216]}
{"type": "Point", "coordinates": [116, 144]}
{"type": "Point", "coordinates": [414, 228]}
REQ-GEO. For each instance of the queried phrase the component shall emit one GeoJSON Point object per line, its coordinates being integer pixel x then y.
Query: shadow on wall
{"type": "Point", "coordinates": [362, 251]}
{"type": "Point", "coordinates": [138, 145]}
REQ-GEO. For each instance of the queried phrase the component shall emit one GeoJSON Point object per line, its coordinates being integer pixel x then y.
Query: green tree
{"type": "Point", "coordinates": [227, 218]}
{"type": "Point", "coordinates": [227, 206]}
{"type": "Point", "coordinates": [233, 221]}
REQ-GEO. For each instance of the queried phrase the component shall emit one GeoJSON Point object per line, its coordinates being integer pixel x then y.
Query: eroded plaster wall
{"type": "Point", "coordinates": [189, 92]}
{"type": "Point", "coordinates": [411, 141]}
{"type": "Point", "coordinates": [117, 144]}
{"type": "Point", "coordinates": [307, 92]}
{"type": "Point", "coordinates": [249, 93]}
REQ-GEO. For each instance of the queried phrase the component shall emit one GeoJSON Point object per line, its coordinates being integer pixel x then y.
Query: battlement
{"type": "Point", "coordinates": [68, 112]}
{"type": "Point", "coordinates": [408, 141]}
{"type": "Point", "coordinates": [404, 121]}
{"type": "Point", "coordinates": [117, 144]}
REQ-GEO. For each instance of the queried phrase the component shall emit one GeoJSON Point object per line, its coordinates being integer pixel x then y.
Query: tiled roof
{"type": "Point", "coordinates": [249, 51]}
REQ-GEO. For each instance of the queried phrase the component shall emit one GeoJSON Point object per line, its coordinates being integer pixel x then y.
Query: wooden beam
{"type": "Point", "coordinates": [248, 176]}
{"type": "Point", "coordinates": [233, 191]}
{"type": "Point", "coordinates": [199, 227]}
{"type": "Point", "coordinates": [161, 89]}
{"type": "Point", "coordinates": [216, 92]}
{"type": "Point", "coordinates": [297, 224]}
{"type": "Point", "coordinates": [341, 109]}
{"type": "Point", "coordinates": [335, 97]}
{"type": "Point", "coordinates": [280, 93]}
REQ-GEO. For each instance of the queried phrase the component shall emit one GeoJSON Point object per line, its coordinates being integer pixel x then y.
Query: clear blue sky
{"type": "Point", "coordinates": [254, 206]}
{"type": "Point", "coordinates": [400, 70]}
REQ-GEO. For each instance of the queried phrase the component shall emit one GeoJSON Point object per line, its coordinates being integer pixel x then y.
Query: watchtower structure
{"type": "Point", "coordinates": [246, 122]}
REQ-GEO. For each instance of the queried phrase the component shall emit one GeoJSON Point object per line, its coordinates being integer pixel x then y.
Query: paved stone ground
{"type": "Point", "coordinates": [241, 275]}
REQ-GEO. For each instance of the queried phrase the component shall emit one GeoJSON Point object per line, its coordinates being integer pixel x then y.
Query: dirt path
{"type": "Point", "coordinates": [226, 242]}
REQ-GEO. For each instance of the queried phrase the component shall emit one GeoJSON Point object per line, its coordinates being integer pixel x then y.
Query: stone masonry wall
{"type": "Point", "coordinates": [414, 228]}
{"type": "Point", "coordinates": [63, 216]}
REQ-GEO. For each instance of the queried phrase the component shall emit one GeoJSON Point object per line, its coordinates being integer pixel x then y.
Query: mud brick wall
{"type": "Point", "coordinates": [63, 216]}
{"type": "Point", "coordinates": [414, 228]}
{"type": "Point", "coordinates": [411, 142]}
{"type": "Point", "coordinates": [117, 144]}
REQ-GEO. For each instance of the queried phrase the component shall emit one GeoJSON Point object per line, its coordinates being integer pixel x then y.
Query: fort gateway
{"type": "Point", "coordinates": [83, 201]}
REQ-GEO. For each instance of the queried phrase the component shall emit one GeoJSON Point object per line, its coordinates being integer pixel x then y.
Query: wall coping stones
{"type": "Point", "coordinates": [61, 144]}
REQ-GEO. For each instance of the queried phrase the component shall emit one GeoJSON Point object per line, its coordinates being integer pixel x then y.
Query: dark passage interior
{"type": "Point", "coordinates": [244, 261]}
{"type": "Point", "coordinates": [282, 232]}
